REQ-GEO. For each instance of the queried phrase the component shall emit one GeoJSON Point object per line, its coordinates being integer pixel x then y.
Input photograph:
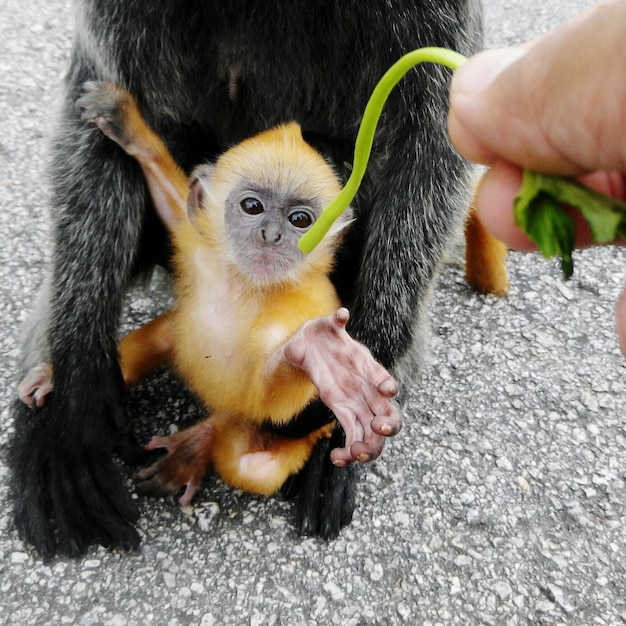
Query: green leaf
{"type": "Point", "coordinates": [539, 212]}
{"type": "Point", "coordinates": [549, 227]}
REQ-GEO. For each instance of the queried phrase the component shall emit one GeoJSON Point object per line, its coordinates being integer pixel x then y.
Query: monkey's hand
{"type": "Point", "coordinates": [181, 471]}
{"type": "Point", "coordinates": [350, 382]}
{"type": "Point", "coordinates": [36, 385]}
{"type": "Point", "coordinates": [113, 110]}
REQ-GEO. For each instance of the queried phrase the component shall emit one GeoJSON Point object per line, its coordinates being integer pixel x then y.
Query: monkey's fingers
{"type": "Point", "coordinates": [357, 388]}
{"type": "Point", "coordinates": [29, 494]}
{"type": "Point", "coordinates": [158, 482]}
{"type": "Point", "coordinates": [107, 106]}
{"type": "Point", "coordinates": [362, 443]}
{"type": "Point", "coordinates": [370, 370]}
{"type": "Point", "coordinates": [75, 495]}
{"type": "Point", "coordinates": [371, 381]}
{"type": "Point", "coordinates": [357, 451]}
{"type": "Point", "coordinates": [91, 504]}
{"type": "Point", "coordinates": [324, 343]}
{"type": "Point", "coordinates": [385, 418]}
{"type": "Point", "coordinates": [160, 443]}
{"type": "Point", "coordinates": [367, 416]}
{"type": "Point", "coordinates": [181, 471]}
{"type": "Point", "coordinates": [191, 489]}
{"type": "Point", "coordinates": [108, 514]}
{"type": "Point", "coordinates": [153, 486]}
{"type": "Point", "coordinates": [36, 385]}
{"type": "Point", "coordinates": [341, 317]}
{"type": "Point", "coordinates": [387, 425]}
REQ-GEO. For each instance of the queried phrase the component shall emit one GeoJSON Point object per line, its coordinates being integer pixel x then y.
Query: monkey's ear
{"type": "Point", "coordinates": [198, 187]}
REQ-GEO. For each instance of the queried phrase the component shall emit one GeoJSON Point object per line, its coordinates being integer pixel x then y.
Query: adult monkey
{"type": "Point", "coordinates": [207, 74]}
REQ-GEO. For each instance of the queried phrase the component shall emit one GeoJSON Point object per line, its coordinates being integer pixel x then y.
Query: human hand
{"type": "Point", "coordinates": [555, 105]}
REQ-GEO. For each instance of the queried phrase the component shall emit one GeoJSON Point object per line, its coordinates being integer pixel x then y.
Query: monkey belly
{"type": "Point", "coordinates": [227, 371]}
{"type": "Point", "coordinates": [236, 389]}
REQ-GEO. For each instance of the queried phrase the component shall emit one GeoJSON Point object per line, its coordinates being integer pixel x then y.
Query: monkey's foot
{"type": "Point", "coordinates": [256, 460]}
{"type": "Point", "coordinates": [182, 469]}
{"type": "Point", "coordinates": [357, 388]}
{"type": "Point", "coordinates": [36, 385]}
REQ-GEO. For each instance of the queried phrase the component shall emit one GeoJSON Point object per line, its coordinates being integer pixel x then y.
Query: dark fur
{"type": "Point", "coordinates": [207, 74]}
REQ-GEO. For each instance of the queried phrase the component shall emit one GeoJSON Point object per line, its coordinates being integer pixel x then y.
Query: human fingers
{"type": "Point", "coordinates": [500, 184]}
{"type": "Point", "coordinates": [555, 106]}
{"type": "Point", "coordinates": [493, 201]}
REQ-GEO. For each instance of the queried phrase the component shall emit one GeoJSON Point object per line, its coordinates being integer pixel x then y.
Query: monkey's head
{"type": "Point", "coordinates": [259, 199]}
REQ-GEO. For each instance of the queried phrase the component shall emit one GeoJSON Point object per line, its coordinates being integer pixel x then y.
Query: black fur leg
{"type": "Point", "coordinates": [130, 450]}
{"type": "Point", "coordinates": [324, 493]}
{"type": "Point", "coordinates": [65, 490]}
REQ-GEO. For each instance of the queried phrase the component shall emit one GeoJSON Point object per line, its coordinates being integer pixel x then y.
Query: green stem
{"type": "Point", "coordinates": [365, 136]}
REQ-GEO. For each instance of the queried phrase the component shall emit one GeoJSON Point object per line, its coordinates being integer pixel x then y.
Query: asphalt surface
{"type": "Point", "coordinates": [503, 500]}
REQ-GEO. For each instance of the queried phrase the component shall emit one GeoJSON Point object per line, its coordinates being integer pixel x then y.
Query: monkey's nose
{"type": "Point", "coordinates": [271, 237]}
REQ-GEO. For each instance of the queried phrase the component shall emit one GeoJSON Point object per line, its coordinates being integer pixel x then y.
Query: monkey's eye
{"type": "Point", "coordinates": [252, 206]}
{"type": "Point", "coordinates": [300, 218]}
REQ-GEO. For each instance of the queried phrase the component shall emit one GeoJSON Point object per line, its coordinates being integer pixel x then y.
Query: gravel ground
{"type": "Point", "coordinates": [502, 501]}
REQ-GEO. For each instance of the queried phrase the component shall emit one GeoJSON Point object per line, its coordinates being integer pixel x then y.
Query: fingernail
{"type": "Point", "coordinates": [481, 70]}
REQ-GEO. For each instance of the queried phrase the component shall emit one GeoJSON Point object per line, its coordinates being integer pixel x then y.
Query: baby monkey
{"type": "Point", "coordinates": [257, 331]}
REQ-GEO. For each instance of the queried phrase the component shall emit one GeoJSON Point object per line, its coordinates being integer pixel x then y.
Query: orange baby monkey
{"type": "Point", "coordinates": [257, 331]}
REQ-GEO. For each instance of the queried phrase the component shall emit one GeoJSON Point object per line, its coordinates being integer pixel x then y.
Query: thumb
{"type": "Point", "coordinates": [470, 122]}
{"type": "Point", "coordinates": [554, 105]}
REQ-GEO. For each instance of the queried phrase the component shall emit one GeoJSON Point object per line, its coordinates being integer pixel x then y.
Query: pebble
{"type": "Point", "coordinates": [334, 591]}
{"type": "Point", "coordinates": [503, 590]}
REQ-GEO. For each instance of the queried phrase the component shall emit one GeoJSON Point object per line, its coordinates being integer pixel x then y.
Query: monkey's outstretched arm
{"type": "Point", "coordinates": [114, 111]}
{"type": "Point", "coordinates": [349, 380]}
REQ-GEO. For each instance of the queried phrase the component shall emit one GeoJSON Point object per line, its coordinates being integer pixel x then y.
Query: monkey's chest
{"type": "Point", "coordinates": [221, 350]}
{"type": "Point", "coordinates": [214, 328]}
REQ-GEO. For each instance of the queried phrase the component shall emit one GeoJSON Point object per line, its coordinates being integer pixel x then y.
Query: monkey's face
{"type": "Point", "coordinates": [263, 227]}
{"type": "Point", "coordinates": [259, 199]}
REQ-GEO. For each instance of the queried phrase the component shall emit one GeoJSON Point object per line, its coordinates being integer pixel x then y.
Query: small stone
{"type": "Point", "coordinates": [401, 519]}
{"type": "Point", "coordinates": [19, 557]}
{"type": "Point", "coordinates": [377, 572]}
{"type": "Point", "coordinates": [404, 611]}
{"type": "Point", "coordinates": [474, 517]}
{"type": "Point", "coordinates": [462, 560]}
{"type": "Point", "coordinates": [503, 590]}
{"type": "Point", "coordinates": [504, 464]}
{"type": "Point", "coordinates": [334, 591]}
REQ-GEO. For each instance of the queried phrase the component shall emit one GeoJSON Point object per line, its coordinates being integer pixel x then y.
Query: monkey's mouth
{"type": "Point", "coordinates": [267, 265]}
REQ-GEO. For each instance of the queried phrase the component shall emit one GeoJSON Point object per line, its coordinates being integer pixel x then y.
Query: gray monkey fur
{"type": "Point", "coordinates": [206, 75]}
